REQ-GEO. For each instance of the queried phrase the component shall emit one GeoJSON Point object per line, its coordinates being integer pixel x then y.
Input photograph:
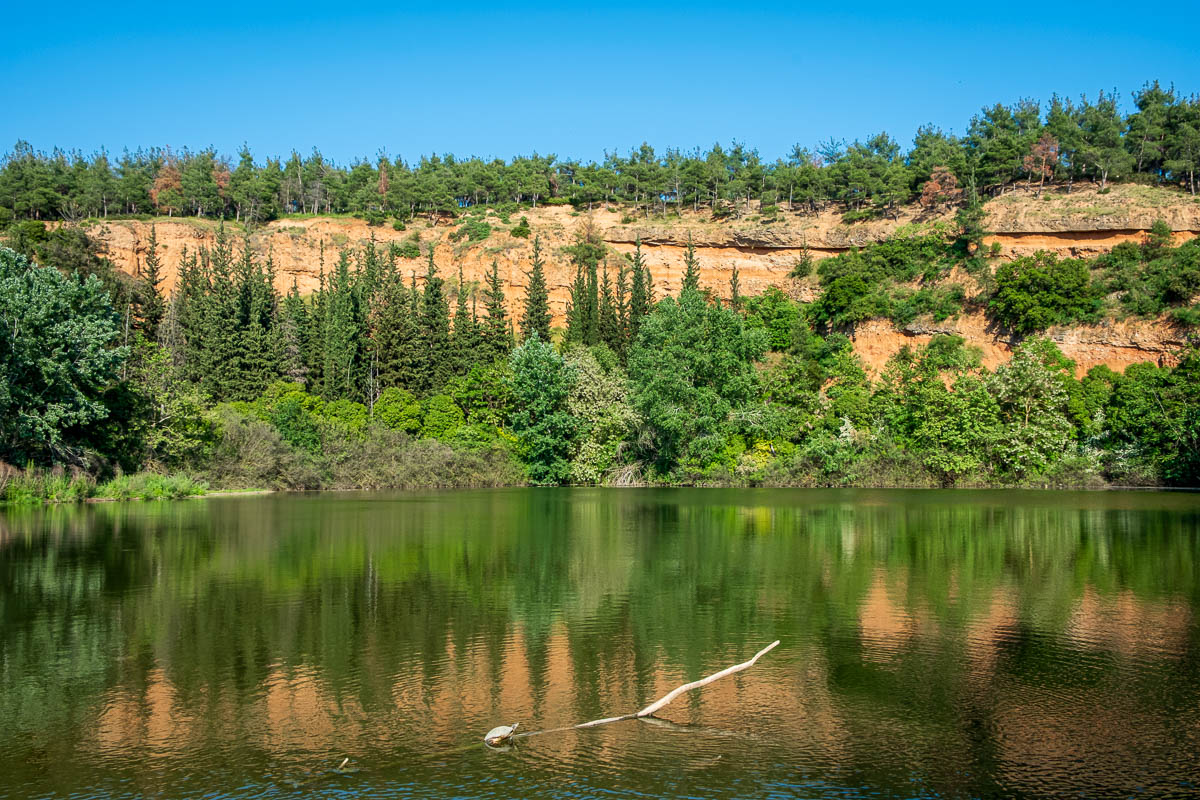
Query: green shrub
{"type": "Point", "coordinates": [351, 415]}
{"type": "Point", "coordinates": [1187, 316]}
{"type": "Point", "coordinates": [410, 247]}
{"type": "Point", "coordinates": [397, 409]}
{"type": "Point", "coordinates": [940, 302]}
{"type": "Point", "coordinates": [473, 229]}
{"type": "Point", "coordinates": [1150, 277]}
{"type": "Point", "coordinates": [776, 313]}
{"type": "Point", "coordinates": [250, 453]}
{"type": "Point", "coordinates": [521, 230]}
{"type": "Point", "coordinates": [442, 418]}
{"type": "Point", "coordinates": [861, 215]}
{"type": "Point", "coordinates": [1035, 292]}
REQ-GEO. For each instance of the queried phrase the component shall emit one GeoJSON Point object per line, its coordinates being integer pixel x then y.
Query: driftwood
{"type": "Point", "coordinates": [667, 698]}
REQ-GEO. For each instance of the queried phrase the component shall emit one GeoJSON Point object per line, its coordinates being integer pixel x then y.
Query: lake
{"type": "Point", "coordinates": [933, 644]}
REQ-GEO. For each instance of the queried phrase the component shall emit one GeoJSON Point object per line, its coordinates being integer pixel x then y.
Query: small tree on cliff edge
{"type": "Point", "coordinates": [691, 271]}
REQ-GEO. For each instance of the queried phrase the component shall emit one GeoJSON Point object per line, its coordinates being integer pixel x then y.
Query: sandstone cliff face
{"type": "Point", "coordinates": [1115, 344]}
{"type": "Point", "coordinates": [1082, 223]}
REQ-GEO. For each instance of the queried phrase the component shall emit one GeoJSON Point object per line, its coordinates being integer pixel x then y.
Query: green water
{"type": "Point", "coordinates": [941, 644]}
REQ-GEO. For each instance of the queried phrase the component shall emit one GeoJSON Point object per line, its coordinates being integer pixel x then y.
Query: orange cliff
{"type": "Point", "coordinates": [1081, 223]}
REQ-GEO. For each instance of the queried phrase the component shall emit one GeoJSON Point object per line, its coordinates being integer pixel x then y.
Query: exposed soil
{"type": "Point", "coordinates": [1081, 223]}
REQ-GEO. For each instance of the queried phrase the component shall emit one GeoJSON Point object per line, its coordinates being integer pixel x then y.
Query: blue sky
{"type": "Point", "coordinates": [502, 79]}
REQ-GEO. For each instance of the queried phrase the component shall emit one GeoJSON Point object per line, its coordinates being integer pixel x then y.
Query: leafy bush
{"type": "Point", "coordinates": [544, 427]}
{"type": "Point", "coordinates": [398, 410]}
{"type": "Point", "coordinates": [1150, 277]}
{"type": "Point", "coordinates": [410, 247]}
{"type": "Point", "coordinates": [777, 314]}
{"type": "Point", "coordinates": [939, 302]}
{"type": "Point", "coordinates": [474, 229]}
{"type": "Point", "coordinates": [1035, 292]}
{"type": "Point", "coordinates": [856, 284]}
{"type": "Point", "coordinates": [521, 229]}
{"type": "Point", "coordinates": [388, 459]}
{"type": "Point", "coordinates": [58, 360]}
{"type": "Point", "coordinates": [443, 418]}
{"type": "Point", "coordinates": [250, 453]}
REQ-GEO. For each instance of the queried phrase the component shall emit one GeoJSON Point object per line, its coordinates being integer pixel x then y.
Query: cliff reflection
{"type": "Point", "coordinates": [985, 646]}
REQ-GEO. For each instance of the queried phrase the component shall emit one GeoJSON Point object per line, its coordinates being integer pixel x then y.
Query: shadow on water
{"type": "Point", "coordinates": [935, 644]}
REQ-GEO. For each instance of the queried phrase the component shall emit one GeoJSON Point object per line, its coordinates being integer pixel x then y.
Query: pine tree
{"type": "Point", "coordinates": [537, 300]}
{"type": "Point", "coordinates": [497, 335]}
{"type": "Point", "coordinates": [438, 363]}
{"type": "Point", "coordinates": [578, 311]}
{"type": "Point", "coordinates": [735, 293]}
{"type": "Point", "coordinates": [691, 269]}
{"type": "Point", "coordinates": [152, 306]}
{"type": "Point", "coordinates": [583, 318]}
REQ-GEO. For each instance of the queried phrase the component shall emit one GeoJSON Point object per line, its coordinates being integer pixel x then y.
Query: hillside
{"type": "Point", "coordinates": [1084, 222]}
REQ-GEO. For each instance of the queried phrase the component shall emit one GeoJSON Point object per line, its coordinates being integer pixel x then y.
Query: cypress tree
{"type": "Point", "coordinates": [256, 342]}
{"type": "Point", "coordinates": [735, 294]}
{"type": "Point", "coordinates": [465, 340]}
{"type": "Point", "coordinates": [497, 335]}
{"type": "Point", "coordinates": [213, 338]}
{"type": "Point", "coordinates": [691, 269]}
{"type": "Point", "coordinates": [435, 332]}
{"type": "Point", "coordinates": [395, 332]}
{"type": "Point", "coordinates": [537, 300]}
{"type": "Point", "coordinates": [343, 336]}
{"type": "Point", "coordinates": [622, 299]}
{"type": "Point", "coordinates": [578, 316]}
{"type": "Point", "coordinates": [314, 337]}
{"type": "Point", "coordinates": [293, 330]}
{"type": "Point", "coordinates": [152, 306]}
{"type": "Point", "coordinates": [608, 322]}
{"type": "Point", "coordinates": [639, 293]}
{"type": "Point", "coordinates": [583, 322]}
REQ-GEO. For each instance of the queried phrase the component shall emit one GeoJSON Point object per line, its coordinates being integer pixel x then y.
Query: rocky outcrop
{"type": "Point", "coordinates": [1112, 343]}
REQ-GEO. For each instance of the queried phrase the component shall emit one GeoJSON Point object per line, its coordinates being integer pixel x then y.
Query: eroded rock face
{"type": "Point", "coordinates": [1082, 223]}
{"type": "Point", "coordinates": [1115, 344]}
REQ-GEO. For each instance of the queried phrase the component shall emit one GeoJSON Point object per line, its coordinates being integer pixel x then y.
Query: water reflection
{"type": "Point", "coordinates": [959, 644]}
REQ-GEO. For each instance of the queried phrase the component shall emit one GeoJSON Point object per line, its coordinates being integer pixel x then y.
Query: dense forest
{"type": "Point", "coordinates": [1158, 141]}
{"type": "Point", "coordinates": [376, 380]}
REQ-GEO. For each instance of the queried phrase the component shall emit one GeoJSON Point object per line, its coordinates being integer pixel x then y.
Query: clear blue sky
{"type": "Point", "coordinates": [572, 79]}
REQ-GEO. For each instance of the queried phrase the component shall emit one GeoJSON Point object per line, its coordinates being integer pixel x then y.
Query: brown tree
{"type": "Point", "coordinates": [942, 187]}
{"type": "Point", "coordinates": [1042, 159]}
{"type": "Point", "coordinates": [167, 190]}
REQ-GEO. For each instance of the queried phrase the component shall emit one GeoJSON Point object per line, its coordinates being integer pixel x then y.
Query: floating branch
{"type": "Point", "coordinates": [667, 698]}
{"type": "Point", "coordinates": [687, 687]}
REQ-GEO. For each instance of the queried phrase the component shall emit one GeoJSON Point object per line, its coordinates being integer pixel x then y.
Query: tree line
{"type": "Point", "coordinates": [1067, 141]}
